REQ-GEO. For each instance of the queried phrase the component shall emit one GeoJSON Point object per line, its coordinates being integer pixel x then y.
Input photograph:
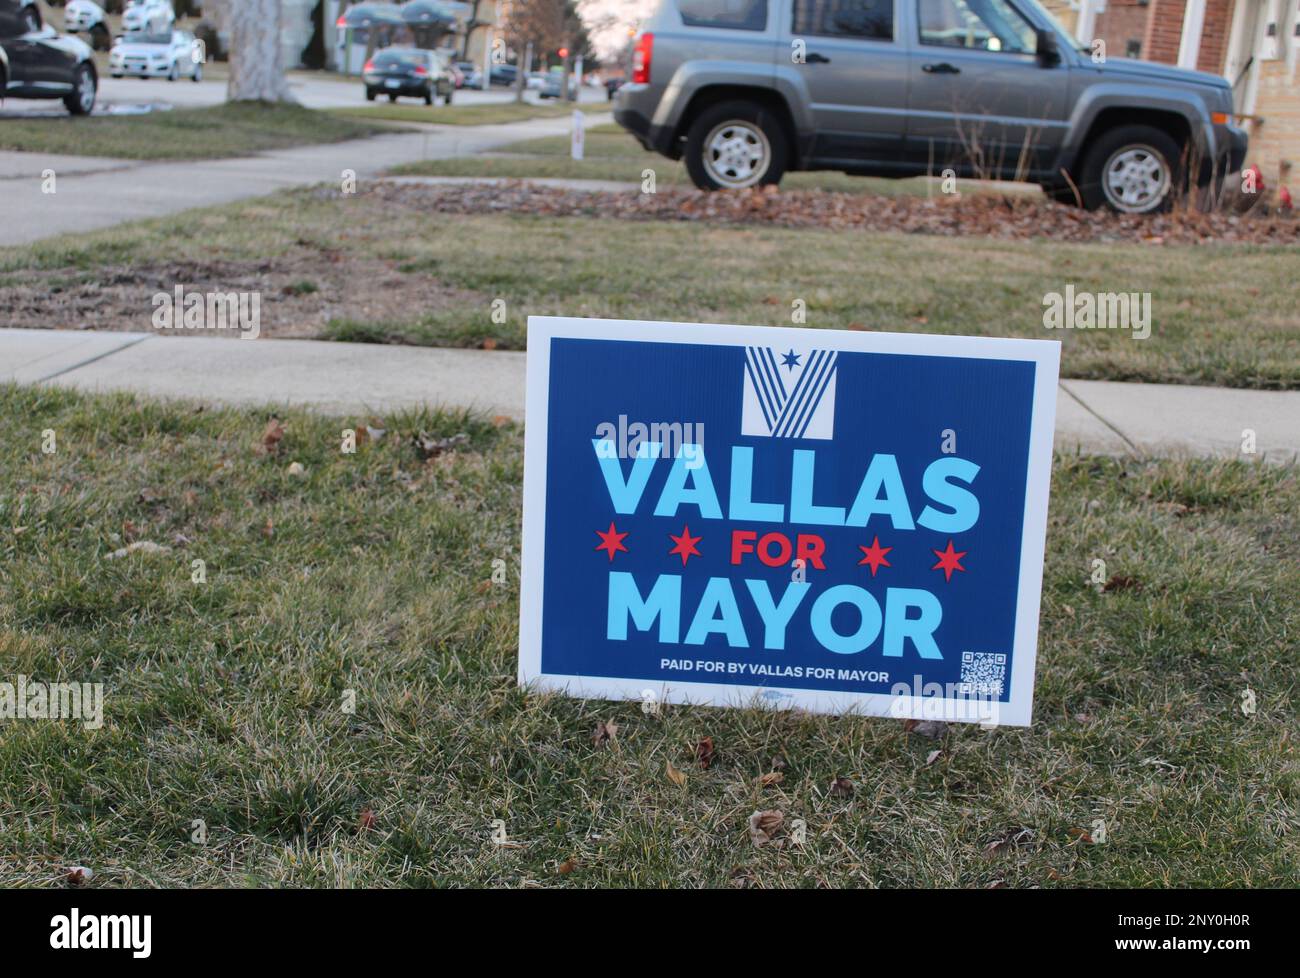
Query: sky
{"type": "Point", "coordinates": [608, 21]}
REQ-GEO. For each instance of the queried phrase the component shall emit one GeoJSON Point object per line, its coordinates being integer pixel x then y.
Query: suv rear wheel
{"type": "Point", "coordinates": [734, 145]}
{"type": "Point", "coordinates": [1132, 170]}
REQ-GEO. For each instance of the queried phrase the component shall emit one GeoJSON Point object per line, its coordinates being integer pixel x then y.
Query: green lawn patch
{"type": "Point", "coordinates": [494, 113]}
{"type": "Point", "coordinates": [1222, 314]}
{"type": "Point", "coordinates": [231, 129]}
{"type": "Point", "coordinates": [367, 579]}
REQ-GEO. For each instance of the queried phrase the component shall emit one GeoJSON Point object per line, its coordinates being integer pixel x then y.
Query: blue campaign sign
{"type": "Point", "coordinates": [836, 521]}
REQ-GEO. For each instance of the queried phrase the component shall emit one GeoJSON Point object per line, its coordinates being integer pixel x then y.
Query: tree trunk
{"type": "Point", "coordinates": [256, 65]}
{"type": "Point", "coordinates": [522, 65]}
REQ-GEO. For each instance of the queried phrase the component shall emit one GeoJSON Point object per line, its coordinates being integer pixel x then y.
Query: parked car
{"type": "Point", "coordinates": [169, 54]}
{"type": "Point", "coordinates": [470, 75]}
{"type": "Point", "coordinates": [990, 88]}
{"type": "Point", "coordinates": [502, 75]}
{"type": "Point", "coordinates": [153, 16]}
{"type": "Point", "coordinates": [35, 62]}
{"type": "Point", "coordinates": [87, 17]}
{"type": "Point", "coordinates": [27, 18]}
{"type": "Point", "coordinates": [408, 71]}
{"type": "Point", "coordinates": [535, 81]}
{"type": "Point", "coordinates": [553, 85]}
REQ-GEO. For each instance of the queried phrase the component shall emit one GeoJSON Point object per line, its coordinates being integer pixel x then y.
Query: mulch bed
{"type": "Point", "coordinates": [979, 215]}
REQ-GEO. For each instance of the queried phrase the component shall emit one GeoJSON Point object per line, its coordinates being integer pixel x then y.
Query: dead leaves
{"type": "Point", "coordinates": [764, 827]}
{"type": "Point", "coordinates": [704, 753]}
{"type": "Point", "coordinates": [1121, 582]}
{"type": "Point", "coordinates": [605, 732]}
{"type": "Point", "coordinates": [989, 215]}
{"type": "Point", "coordinates": [1011, 839]}
{"type": "Point", "coordinates": [368, 821]}
{"type": "Point", "coordinates": [427, 447]}
{"type": "Point", "coordinates": [934, 729]}
{"type": "Point", "coordinates": [272, 436]}
{"type": "Point", "coordinates": [567, 867]}
{"type": "Point", "coordinates": [841, 788]}
{"type": "Point", "coordinates": [78, 875]}
{"type": "Point", "coordinates": [675, 776]}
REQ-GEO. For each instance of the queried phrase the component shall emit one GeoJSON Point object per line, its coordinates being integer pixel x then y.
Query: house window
{"type": "Point", "coordinates": [1133, 48]}
{"type": "Point", "coordinates": [1270, 50]}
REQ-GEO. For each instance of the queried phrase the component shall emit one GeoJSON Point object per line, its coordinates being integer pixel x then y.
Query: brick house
{"type": "Point", "coordinates": [1252, 43]}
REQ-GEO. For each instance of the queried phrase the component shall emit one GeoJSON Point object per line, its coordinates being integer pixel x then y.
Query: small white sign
{"type": "Point", "coordinates": [577, 135]}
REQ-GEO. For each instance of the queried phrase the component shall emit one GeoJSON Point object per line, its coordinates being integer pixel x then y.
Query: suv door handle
{"type": "Point", "coordinates": [942, 68]}
{"type": "Point", "coordinates": [817, 59]}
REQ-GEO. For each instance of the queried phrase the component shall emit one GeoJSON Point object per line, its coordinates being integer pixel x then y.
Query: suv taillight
{"type": "Point", "coordinates": [642, 55]}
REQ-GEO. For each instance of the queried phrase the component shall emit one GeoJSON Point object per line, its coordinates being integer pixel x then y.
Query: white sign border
{"type": "Point", "coordinates": [1044, 354]}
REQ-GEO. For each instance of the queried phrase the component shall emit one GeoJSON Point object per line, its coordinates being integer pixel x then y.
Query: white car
{"type": "Point", "coordinates": [154, 16]}
{"type": "Point", "coordinates": [84, 16]}
{"type": "Point", "coordinates": [169, 55]}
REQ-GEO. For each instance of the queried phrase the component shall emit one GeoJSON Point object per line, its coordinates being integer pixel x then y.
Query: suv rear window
{"type": "Point", "coordinates": [872, 19]}
{"type": "Point", "coordinates": [740, 15]}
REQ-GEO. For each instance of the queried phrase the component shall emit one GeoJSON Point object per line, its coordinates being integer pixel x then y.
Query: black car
{"type": "Point", "coordinates": [408, 71]}
{"type": "Point", "coordinates": [36, 62]}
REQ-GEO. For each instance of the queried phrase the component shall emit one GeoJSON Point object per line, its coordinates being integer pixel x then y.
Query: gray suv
{"type": "Point", "coordinates": [744, 90]}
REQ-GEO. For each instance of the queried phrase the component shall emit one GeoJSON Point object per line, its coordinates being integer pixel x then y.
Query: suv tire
{"type": "Point", "coordinates": [1132, 170]}
{"type": "Point", "coordinates": [735, 145]}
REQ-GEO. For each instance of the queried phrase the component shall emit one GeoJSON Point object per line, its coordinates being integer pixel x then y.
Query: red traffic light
{"type": "Point", "coordinates": [563, 52]}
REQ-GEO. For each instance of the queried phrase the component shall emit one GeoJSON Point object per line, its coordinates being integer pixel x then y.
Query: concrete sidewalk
{"type": "Point", "coordinates": [350, 378]}
{"type": "Point", "coordinates": [97, 193]}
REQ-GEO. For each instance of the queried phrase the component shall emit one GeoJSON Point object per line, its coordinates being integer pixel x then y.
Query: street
{"type": "Point", "coordinates": [315, 90]}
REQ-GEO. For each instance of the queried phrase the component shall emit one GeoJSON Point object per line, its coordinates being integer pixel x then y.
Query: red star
{"type": "Point", "coordinates": [874, 555]}
{"type": "Point", "coordinates": [685, 545]}
{"type": "Point", "coordinates": [949, 561]}
{"type": "Point", "coordinates": [611, 540]}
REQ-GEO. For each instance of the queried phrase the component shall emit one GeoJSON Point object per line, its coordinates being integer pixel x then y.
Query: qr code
{"type": "Point", "coordinates": [983, 673]}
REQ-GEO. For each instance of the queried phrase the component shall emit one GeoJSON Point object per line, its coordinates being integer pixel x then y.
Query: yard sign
{"type": "Point", "coordinates": [835, 521]}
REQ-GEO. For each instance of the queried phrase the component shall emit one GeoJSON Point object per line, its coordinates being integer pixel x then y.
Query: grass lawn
{"type": "Point", "coordinates": [494, 113]}
{"type": "Point", "coordinates": [371, 573]}
{"type": "Point", "coordinates": [1221, 314]}
{"type": "Point", "coordinates": [610, 153]}
{"type": "Point", "coordinates": [231, 129]}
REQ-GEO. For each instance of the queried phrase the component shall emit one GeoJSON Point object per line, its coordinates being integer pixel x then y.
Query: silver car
{"type": "Point", "coordinates": [744, 90]}
{"type": "Point", "coordinates": [169, 54]}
